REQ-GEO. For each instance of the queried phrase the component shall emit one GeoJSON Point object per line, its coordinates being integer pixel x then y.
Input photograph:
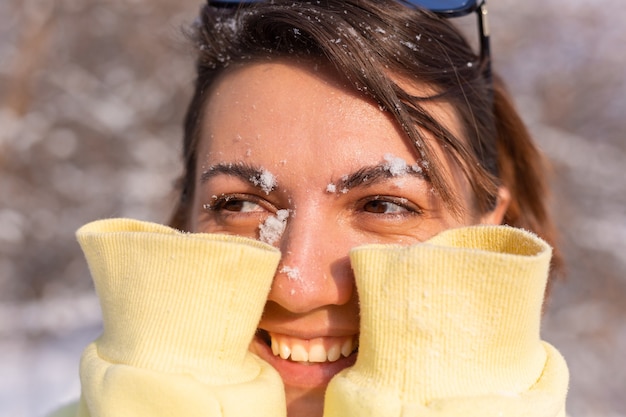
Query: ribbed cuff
{"type": "Point", "coordinates": [178, 302]}
{"type": "Point", "coordinates": [455, 317]}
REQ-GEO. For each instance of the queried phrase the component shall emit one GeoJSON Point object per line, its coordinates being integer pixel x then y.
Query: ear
{"type": "Point", "coordinates": [496, 216]}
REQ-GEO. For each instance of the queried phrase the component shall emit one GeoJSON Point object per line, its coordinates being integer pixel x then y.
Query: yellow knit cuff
{"type": "Point", "coordinates": [179, 311]}
{"type": "Point", "coordinates": [449, 323]}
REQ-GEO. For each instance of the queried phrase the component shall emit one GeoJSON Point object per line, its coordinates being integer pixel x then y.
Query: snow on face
{"type": "Point", "coordinates": [267, 181]}
{"type": "Point", "coordinates": [398, 166]}
{"type": "Point", "coordinates": [395, 166]}
{"type": "Point", "coordinates": [272, 229]}
{"type": "Point", "coordinates": [292, 273]}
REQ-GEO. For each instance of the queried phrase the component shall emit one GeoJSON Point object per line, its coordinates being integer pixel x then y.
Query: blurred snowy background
{"type": "Point", "coordinates": [92, 93]}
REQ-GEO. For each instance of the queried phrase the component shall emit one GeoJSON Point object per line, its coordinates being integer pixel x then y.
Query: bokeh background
{"type": "Point", "coordinates": [92, 93]}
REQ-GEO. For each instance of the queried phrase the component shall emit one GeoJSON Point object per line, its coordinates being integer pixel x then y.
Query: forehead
{"type": "Point", "coordinates": [277, 113]}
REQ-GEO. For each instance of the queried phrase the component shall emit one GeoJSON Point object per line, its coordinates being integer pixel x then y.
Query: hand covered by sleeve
{"type": "Point", "coordinates": [179, 312]}
{"type": "Point", "coordinates": [451, 327]}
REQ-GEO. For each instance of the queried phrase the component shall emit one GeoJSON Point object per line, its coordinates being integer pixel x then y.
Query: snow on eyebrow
{"type": "Point", "coordinates": [257, 176]}
{"type": "Point", "coordinates": [395, 165]}
{"type": "Point", "coordinates": [398, 166]}
{"type": "Point", "coordinates": [331, 188]}
{"type": "Point", "coordinates": [266, 180]}
{"type": "Point", "coordinates": [272, 229]}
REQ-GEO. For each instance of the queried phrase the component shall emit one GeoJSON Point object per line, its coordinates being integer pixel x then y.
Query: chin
{"type": "Point", "coordinates": [305, 403]}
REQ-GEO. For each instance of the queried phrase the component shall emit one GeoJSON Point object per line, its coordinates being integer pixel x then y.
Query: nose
{"type": "Point", "coordinates": [315, 269]}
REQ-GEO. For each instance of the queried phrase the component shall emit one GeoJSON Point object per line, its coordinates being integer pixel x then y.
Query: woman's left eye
{"type": "Point", "coordinates": [379, 205]}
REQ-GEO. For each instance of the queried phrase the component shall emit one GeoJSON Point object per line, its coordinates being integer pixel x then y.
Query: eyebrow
{"type": "Point", "coordinates": [376, 174]}
{"type": "Point", "coordinates": [255, 176]}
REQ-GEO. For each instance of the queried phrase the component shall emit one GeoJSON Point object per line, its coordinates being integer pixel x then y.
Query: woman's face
{"type": "Point", "coordinates": [290, 156]}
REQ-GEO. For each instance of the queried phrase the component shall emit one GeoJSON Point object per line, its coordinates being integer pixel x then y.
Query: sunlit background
{"type": "Point", "coordinates": [92, 93]}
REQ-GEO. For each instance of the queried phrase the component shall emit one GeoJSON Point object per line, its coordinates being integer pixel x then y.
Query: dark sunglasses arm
{"type": "Point", "coordinates": [484, 30]}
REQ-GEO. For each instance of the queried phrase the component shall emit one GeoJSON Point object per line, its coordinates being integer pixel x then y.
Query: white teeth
{"type": "Point", "coordinates": [334, 353]}
{"type": "Point", "coordinates": [299, 353]}
{"type": "Point", "coordinates": [346, 348]}
{"type": "Point", "coordinates": [285, 351]}
{"type": "Point", "coordinates": [317, 353]}
{"type": "Point", "coordinates": [318, 350]}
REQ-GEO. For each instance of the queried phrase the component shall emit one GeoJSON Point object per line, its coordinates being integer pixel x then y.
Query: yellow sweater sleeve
{"type": "Point", "coordinates": [451, 327]}
{"type": "Point", "coordinates": [448, 328]}
{"type": "Point", "coordinates": [179, 311]}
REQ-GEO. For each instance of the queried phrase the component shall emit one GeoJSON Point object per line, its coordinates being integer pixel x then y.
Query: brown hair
{"type": "Point", "coordinates": [372, 45]}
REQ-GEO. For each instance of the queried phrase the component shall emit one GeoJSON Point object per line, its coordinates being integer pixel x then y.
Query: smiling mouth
{"type": "Point", "coordinates": [309, 351]}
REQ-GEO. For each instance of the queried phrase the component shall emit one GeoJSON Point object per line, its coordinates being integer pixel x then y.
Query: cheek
{"type": "Point", "coordinates": [462, 210]}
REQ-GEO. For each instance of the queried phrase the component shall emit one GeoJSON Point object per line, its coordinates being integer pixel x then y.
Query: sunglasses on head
{"type": "Point", "coordinates": [444, 8]}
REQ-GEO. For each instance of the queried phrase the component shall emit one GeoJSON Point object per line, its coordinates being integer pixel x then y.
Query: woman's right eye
{"type": "Point", "coordinates": [241, 206]}
{"type": "Point", "coordinates": [234, 204]}
{"type": "Point", "coordinates": [239, 214]}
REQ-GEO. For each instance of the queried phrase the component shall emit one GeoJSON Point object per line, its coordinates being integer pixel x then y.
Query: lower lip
{"type": "Point", "coordinates": [295, 374]}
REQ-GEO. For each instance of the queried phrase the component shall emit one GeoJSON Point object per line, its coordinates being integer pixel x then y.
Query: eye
{"type": "Point", "coordinates": [240, 206]}
{"type": "Point", "coordinates": [382, 207]}
{"type": "Point", "coordinates": [235, 204]}
{"type": "Point", "coordinates": [236, 213]}
{"type": "Point", "coordinates": [389, 205]}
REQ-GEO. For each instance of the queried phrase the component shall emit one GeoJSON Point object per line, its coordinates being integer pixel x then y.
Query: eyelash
{"type": "Point", "coordinates": [411, 209]}
{"type": "Point", "coordinates": [218, 203]}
